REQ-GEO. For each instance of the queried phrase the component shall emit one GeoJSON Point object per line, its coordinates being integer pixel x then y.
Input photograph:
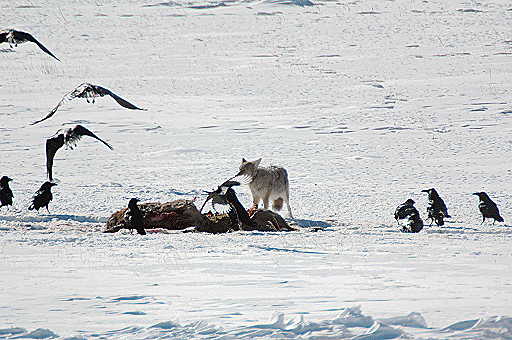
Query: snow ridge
{"type": "Point", "coordinates": [350, 324]}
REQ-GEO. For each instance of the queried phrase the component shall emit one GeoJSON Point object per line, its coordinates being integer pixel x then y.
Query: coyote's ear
{"type": "Point", "coordinates": [257, 162]}
{"type": "Point", "coordinates": [243, 160]}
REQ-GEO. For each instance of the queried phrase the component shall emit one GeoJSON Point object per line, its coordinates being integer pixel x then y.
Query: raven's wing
{"type": "Point", "coordinates": [443, 207]}
{"type": "Point", "coordinates": [79, 131]}
{"type": "Point", "coordinates": [241, 178]}
{"type": "Point", "coordinates": [398, 212]}
{"type": "Point", "coordinates": [220, 204]}
{"type": "Point", "coordinates": [404, 210]}
{"type": "Point", "coordinates": [228, 184]}
{"type": "Point", "coordinates": [3, 36]}
{"type": "Point", "coordinates": [124, 103]}
{"type": "Point", "coordinates": [29, 37]}
{"type": "Point", "coordinates": [67, 97]}
{"type": "Point", "coordinates": [218, 199]}
{"type": "Point", "coordinates": [52, 146]}
{"type": "Point", "coordinates": [493, 208]}
{"type": "Point", "coordinates": [52, 112]}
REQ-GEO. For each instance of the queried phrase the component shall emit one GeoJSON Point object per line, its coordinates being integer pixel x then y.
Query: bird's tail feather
{"type": "Point", "coordinates": [500, 219]}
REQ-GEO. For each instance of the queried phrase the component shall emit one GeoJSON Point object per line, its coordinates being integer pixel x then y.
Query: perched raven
{"type": "Point", "coordinates": [68, 137]}
{"type": "Point", "coordinates": [436, 210]}
{"type": "Point", "coordinates": [407, 211]}
{"type": "Point", "coordinates": [224, 199]}
{"type": "Point", "coordinates": [13, 37]}
{"type": "Point", "coordinates": [488, 208]}
{"type": "Point", "coordinates": [42, 197]}
{"type": "Point", "coordinates": [134, 217]}
{"type": "Point", "coordinates": [6, 195]}
{"type": "Point", "coordinates": [89, 92]}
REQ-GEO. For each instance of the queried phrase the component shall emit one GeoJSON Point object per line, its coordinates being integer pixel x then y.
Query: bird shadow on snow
{"type": "Point", "coordinates": [319, 225]}
{"type": "Point", "coordinates": [49, 218]}
{"type": "Point", "coordinates": [447, 229]}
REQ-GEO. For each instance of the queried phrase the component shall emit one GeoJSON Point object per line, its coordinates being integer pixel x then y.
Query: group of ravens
{"type": "Point", "coordinates": [68, 137]}
{"type": "Point", "coordinates": [408, 217]}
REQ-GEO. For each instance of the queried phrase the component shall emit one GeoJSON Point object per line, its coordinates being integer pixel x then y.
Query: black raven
{"type": "Point", "coordinates": [134, 217]}
{"type": "Point", "coordinates": [42, 197]}
{"type": "Point", "coordinates": [68, 137]}
{"type": "Point", "coordinates": [407, 211]}
{"type": "Point", "coordinates": [436, 210]}
{"type": "Point", "coordinates": [89, 92]}
{"type": "Point", "coordinates": [13, 37]}
{"type": "Point", "coordinates": [224, 199]}
{"type": "Point", "coordinates": [6, 195]}
{"type": "Point", "coordinates": [488, 208]}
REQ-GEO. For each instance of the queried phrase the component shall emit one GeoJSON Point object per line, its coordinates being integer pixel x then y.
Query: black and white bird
{"type": "Point", "coordinates": [42, 197]}
{"type": "Point", "coordinates": [13, 38]}
{"type": "Point", "coordinates": [6, 195]}
{"type": "Point", "coordinates": [488, 208]}
{"type": "Point", "coordinates": [224, 200]}
{"type": "Point", "coordinates": [90, 92]}
{"type": "Point", "coordinates": [68, 137]}
{"type": "Point", "coordinates": [436, 210]}
{"type": "Point", "coordinates": [134, 217]}
{"type": "Point", "coordinates": [408, 213]}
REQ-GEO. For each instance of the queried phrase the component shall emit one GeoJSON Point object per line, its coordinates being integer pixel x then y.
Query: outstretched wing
{"type": "Point", "coordinates": [27, 36]}
{"type": "Point", "coordinates": [221, 206]}
{"type": "Point", "coordinates": [67, 97]}
{"type": "Point", "coordinates": [228, 184]}
{"type": "Point", "coordinates": [124, 103]}
{"type": "Point", "coordinates": [52, 146]}
{"type": "Point", "coordinates": [52, 112]}
{"type": "Point", "coordinates": [79, 131]}
{"type": "Point", "coordinates": [241, 178]}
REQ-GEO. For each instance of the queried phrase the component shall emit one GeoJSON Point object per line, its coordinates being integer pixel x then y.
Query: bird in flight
{"type": "Point", "coordinates": [89, 92]}
{"type": "Point", "coordinates": [70, 138]}
{"type": "Point", "coordinates": [13, 37]}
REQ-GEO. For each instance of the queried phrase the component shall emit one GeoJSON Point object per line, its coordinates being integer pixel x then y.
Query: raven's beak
{"type": "Point", "coordinates": [426, 190]}
{"type": "Point", "coordinates": [9, 179]}
{"type": "Point", "coordinates": [475, 193]}
{"type": "Point", "coordinates": [54, 184]}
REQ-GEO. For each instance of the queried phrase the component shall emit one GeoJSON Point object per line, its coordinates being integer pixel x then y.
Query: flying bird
{"type": "Point", "coordinates": [68, 137]}
{"type": "Point", "coordinates": [488, 208]}
{"type": "Point", "coordinates": [13, 37]}
{"type": "Point", "coordinates": [134, 217]}
{"type": "Point", "coordinates": [6, 195]}
{"type": "Point", "coordinates": [406, 211]}
{"type": "Point", "coordinates": [436, 210]}
{"type": "Point", "coordinates": [42, 197]}
{"type": "Point", "coordinates": [89, 92]}
{"type": "Point", "coordinates": [224, 199]}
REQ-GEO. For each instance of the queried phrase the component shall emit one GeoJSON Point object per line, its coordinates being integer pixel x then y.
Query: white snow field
{"type": "Point", "coordinates": [365, 103]}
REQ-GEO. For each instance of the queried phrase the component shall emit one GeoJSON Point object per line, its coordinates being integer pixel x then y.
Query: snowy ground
{"type": "Point", "coordinates": [365, 103]}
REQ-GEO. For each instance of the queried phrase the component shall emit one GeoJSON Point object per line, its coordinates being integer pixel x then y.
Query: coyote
{"type": "Point", "coordinates": [267, 183]}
